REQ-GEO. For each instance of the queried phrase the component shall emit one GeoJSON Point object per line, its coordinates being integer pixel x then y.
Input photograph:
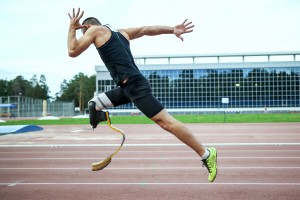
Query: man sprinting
{"type": "Point", "coordinates": [113, 47]}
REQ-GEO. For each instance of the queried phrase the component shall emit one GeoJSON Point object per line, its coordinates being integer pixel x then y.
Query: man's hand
{"type": "Point", "coordinates": [183, 28]}
{"type": "Point", "coordinates": [76, 47]}
{"type": "Point", "coordinates": [74, 20]}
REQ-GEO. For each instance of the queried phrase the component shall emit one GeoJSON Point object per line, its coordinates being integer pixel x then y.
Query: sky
{"type": "Point", "coordinates": [33, 36]}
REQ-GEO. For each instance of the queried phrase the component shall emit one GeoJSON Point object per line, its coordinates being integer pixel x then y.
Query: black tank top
{"type": "Point", "coordinates": [117, 57]}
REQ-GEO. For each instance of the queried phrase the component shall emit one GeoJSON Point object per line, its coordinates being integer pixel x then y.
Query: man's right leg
{"type": "Point", "coordinates": [208, 155]}
{"type": "Point", "coordinates": [105, 100]}
{"type": "Point", "coordinates": [178, 129]}
{"type": "Point", "coordinates": [96, 105]}
{"type": "Point", "coordinates": [154, 110]}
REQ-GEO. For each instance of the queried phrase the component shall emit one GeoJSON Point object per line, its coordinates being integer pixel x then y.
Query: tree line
{"type": "Point", "coordinates": [21, 87]}
{"type": "Point", "coordinates": [79, 89]}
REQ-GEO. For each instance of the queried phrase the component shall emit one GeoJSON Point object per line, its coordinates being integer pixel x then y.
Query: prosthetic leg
{"type": "Point", "coordinates": [95, 118]}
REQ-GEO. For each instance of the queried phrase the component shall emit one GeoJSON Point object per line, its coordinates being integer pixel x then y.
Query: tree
{"type": "Point", "coordinates": [80, 89]}
{"type": "Point", "coordinates": [4, 88]}
{"type": "Point", "coordinates": [18, 86]}
{"type": "Point", "coordinates": [31, 92]}
{"type": "Point", "coordinates": [43, 87]}
{"type": "Point", "coordinates": [38, 89]}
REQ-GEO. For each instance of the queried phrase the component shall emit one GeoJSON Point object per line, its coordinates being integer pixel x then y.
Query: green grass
{"type": "Point", "coordinates": [241, 118]}
{"type": "Point", "coordinates": [200, 118]}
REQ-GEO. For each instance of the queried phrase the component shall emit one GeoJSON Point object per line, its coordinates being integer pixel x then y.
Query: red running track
{"type": "Point", "coordinates": [256, 161]}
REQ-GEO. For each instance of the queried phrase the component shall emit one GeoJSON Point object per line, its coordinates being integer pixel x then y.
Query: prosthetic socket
{"type": "Point", "coordinates": [96, 116]}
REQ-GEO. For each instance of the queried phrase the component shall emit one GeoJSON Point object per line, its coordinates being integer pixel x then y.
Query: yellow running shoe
{"type": "Point", "coordinates": [211, 164]}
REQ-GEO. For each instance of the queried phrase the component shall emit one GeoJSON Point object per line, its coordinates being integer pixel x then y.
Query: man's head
{"type": "Point", "coordinates": [88, 22]}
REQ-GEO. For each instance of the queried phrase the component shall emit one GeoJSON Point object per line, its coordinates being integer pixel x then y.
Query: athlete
{"type": "Point", "coordinates": [113, 47]}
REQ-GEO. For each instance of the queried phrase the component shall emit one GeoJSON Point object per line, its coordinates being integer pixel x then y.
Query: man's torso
{"type": "Point", "coordinates": [114, 50]}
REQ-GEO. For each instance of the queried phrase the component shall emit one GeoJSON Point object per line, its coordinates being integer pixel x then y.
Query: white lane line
{"type": "Point", "coordinates": [144, 183]}
{"type": "Point", "coordinates": [139, 151]}
{"type": "Point", "coordinates": [147, 145]}
{"type": "Point", "coordinates": [148, 168]}
{"type": "Point", "coordinates": [149, 158]}
{"type": "Point", "coordinates": [76, 131]}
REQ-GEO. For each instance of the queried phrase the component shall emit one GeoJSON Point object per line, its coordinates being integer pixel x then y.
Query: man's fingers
{"type": "Point", "coordinates": [189, 27]}
{"type": "Point", "coordinates": [179, 36]}
{"type": "Point", "coordinates": [184, 21]}
{"type": "Point", "coordinates": [188, 24]}
{"type": "Point", "coordinates": [78, 12]}
{"type": "Point", "coordinates": [76, 16]}
{"type": "Point", "coordinates": [81, 15]}
{"type": "Point", "coordinates": [188, 31]}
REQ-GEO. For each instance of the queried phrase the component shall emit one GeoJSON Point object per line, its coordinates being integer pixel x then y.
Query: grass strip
{"type": "Point", "coordinates": [194, 118]}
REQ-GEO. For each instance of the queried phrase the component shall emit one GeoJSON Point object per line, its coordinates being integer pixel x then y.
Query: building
{"type": "Point", "coordinates": [214, 82]}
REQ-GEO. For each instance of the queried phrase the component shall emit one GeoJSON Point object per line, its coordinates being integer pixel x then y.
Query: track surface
{"type": "Point", "coordinates": [256, 161]}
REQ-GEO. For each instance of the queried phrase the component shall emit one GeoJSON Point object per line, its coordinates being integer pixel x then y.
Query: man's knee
{"type": "Point", "coordinates": [166, 123]}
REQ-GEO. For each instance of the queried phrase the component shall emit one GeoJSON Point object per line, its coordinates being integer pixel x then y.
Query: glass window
{"type": "Point", "coordinates": [204, 88]}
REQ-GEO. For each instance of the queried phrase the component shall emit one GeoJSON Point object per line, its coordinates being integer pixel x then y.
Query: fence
{"type": "Point", "coordinates": [21, 106]}
{"type": "Point", "coordinates": [269, 82]}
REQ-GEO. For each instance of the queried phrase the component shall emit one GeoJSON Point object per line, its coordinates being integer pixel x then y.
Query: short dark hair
{"type": "Point", "coordinates": [91, 20]}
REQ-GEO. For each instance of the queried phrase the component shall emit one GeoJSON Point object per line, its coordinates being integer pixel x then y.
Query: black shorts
{"type": "Point", "coordinates": [137, 90]}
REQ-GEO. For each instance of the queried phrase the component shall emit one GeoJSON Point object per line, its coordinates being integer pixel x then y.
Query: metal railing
{"type": "Point", "coordinates": [31, 107]}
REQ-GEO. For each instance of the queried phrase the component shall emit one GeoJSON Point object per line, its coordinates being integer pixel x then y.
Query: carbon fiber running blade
{"type": "Point", "coordinates": [101, 165]}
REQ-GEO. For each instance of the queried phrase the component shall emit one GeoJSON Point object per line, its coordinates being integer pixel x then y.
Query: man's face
{"type": "Point", "coordinates": [85, 28]}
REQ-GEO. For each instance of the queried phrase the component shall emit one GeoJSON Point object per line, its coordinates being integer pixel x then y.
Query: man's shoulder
{"type": "Point", "coordinates": [99, 27]}
{"type": "Point", "coordinates": [98, 30]}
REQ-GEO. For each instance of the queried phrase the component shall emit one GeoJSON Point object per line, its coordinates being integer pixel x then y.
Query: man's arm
{"type": "Point", "coordinates": [76, 47]}
{"type": "Point", "coordinates": [178, 30]}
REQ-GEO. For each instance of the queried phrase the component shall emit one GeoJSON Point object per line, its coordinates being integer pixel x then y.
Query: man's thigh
{"type": "Point", "coordinates": [149, 105]}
